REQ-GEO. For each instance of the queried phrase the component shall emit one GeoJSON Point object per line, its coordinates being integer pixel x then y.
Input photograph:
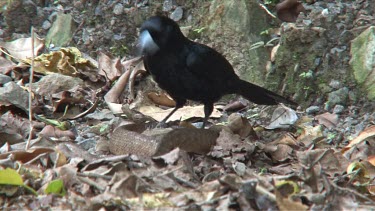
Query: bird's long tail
{"type": "Point", "coordinates": [261, 95]}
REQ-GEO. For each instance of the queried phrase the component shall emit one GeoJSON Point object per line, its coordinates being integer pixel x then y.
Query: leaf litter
{"type": "Point", "coordinates": [296, 162]}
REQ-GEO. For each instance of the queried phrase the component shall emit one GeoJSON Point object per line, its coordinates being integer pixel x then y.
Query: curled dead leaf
{"type": "Point", "coordinates": [367, 133]}
{"type": "Point", "coordinates": [108, 66]}
{"type": "Point", "coordinates": [240, 125]}
{"type": "Point", "coordinates": [161, 99]}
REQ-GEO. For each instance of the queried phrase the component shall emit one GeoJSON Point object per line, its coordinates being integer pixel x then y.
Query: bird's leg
{"type": "Point", "coordinates": [208, 108]}
{"type": "Point", "coordinates": [179, 104]}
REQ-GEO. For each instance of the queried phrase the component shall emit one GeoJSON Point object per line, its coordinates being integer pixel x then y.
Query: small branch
{"type": "Point", "coordinates": [30, 89]}
{"type": "Point", "coordinates": [94, 175]}
{"type": "Point", "coordinates": [91, 183]}
{"type": "Point", "coordinates": [266, 9]}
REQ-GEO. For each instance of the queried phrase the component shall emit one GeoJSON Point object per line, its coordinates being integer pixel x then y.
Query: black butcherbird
{"type": "Point", "coordinates": [191, 71]}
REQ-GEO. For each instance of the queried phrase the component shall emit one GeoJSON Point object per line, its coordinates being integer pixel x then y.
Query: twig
{"type": "Point", "coordinates": [88, 111]}
{"type": "Point", "coordinates": [266, 9]}
{"type": "Point", "coordinates": [91, 183]}
{"type": "Point", "coordinates": [36, 158]}
{"type": "Point", "coordinates": [94, 175]}
{"type": "Point", "coordinates": [6, 53]}
{"type": "Point", "coordinates": [264, 192]}
{"type": "Point", "coordinates": [30, 89]}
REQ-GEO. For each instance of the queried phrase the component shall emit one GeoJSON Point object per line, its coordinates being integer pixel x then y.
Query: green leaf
{"type": "Point", "coordinates": [10, 177]}
{"type": "Point", "coordinates": [56, 187]}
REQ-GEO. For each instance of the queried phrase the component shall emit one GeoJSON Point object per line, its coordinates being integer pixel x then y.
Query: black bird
{"type": "Point", "coordinates": [192, 71]}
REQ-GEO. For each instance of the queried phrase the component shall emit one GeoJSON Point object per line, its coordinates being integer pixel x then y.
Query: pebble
{"type": "Point", "coordinates": [167, 5]}
{"type": "Point", "coordinates": [312, 109]}
{"type": "Point", "coordinates": [4, 79]}
{"type": "Point", "coordinates": [339, 96]}
{"type": "Point", "coordinates": [177, 14]}
{"type": "Point", "coordinates": [98, 11]}
{"type": "Point", "coordinates": [338, 109]}
{"type": "Point", "coordinates": [46, 25]}
{"type": "Point", "coordinates": [118, 9]}
{"type": "Point", "coordinates": [335, 84]}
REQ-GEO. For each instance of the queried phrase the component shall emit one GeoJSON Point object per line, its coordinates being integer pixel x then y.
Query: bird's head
{"type": "Point", "coordinates": [159, 33]}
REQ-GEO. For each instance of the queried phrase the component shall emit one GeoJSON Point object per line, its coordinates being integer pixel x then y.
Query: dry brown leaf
{"type": "Point", "coordinates": [50, 131]}
{"type": "Point", "coordinates": [236, 105]}
{"type": "Point", "coordinates": [25, 156]}
{"type": "Point", "coordinates": [161, 99]}
{"type": "Point", "coordinates": [13, 129]}
{"type": "Point", "coordinates": [138, 69]}
{"type": "Point", "coordinates": [112, 96]}
{"type": "Point", "coordinates": [126, 188]}
{"type": "Point", "coordinates": [21, 48]}
{"type": "Point", "coordinates": [311, 135]}
{"type": "Point", "coordinates": [282, 153]}
{"type": "Point", "coordinates": [289, 140]}
{"type": "Point", "coordinates": [183, 113]}
{"type": "Point", "coordinates": [367, 133]}
{"type": "Point", "coordinates": [66, 61]}
{"type": "Point", "coordinates": [109, 67]}
{"type": "Point", "coordinates": [240, 125]}
{"type": "Point", "coordinates": [330, 161]}
{"type": "Point", "coordinates": [327, 119]}
{"type": "Point", "coordinates": [6, 66]}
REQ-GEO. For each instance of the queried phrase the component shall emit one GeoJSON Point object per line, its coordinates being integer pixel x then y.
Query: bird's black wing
{"type": "Point", "coordinates": [209, 65]}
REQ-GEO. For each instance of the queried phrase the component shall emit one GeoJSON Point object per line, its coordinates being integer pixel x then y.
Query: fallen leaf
{"type": "Point", "coordinates": [282, 117]}
{"type": "Point", "coordinates": [327, 119]}
{"type": "Point", "coordinates": [21, 48]}
{"type": "Point", "coordinates": [161, 99]}
{"type": "Point", "coordinates": [367, 133]}
{"type": "Point", "coordinates": [108, 66]}
{"type": "Point", "coordinates": [183, 113]}
{"type": "Point", "coordinates": [67, 61]}
{"type": "Point", "coordinates": [240, 125]}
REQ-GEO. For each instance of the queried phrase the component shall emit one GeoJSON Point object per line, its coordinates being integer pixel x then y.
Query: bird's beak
{"type": "Point", "coordinates": [147, 44]}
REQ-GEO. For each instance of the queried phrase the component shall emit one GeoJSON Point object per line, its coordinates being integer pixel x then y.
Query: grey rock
{"type": "Point", "coordinates": [312, 109]}
{"type": "Point", "coordinates": [46, 25]}
{"type": "Point", "coordinates": [12, 94]}
{"type": "Point", "coordinates": [4, 79]}
{"type": "Point", "coordinates": [105, 114]}
{"type": "Point", "coordinates": [338, 109]}
{"type": "Point", "coordinates": [177, 14]}
{"type": "Point", "coordinates": [339, 96]}
{"type": "Point", "coordinates": [167, 5]}
{"type": "Point", "coordinates": [87, 143]}
{"type": "Point", "coordinates": [334, 84]}
{"type": "Point", "coordinates": [98, 11]}
{"type": "Point", "coordinates": [118, 9]}
{"type": "Point", "coordinates": [54, 83]}
{"type": "Point", "coordinates": [363, 60]}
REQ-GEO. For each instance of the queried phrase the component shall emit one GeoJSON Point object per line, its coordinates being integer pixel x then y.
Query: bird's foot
{"type": "Point", "coordinates": [161, 124]}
